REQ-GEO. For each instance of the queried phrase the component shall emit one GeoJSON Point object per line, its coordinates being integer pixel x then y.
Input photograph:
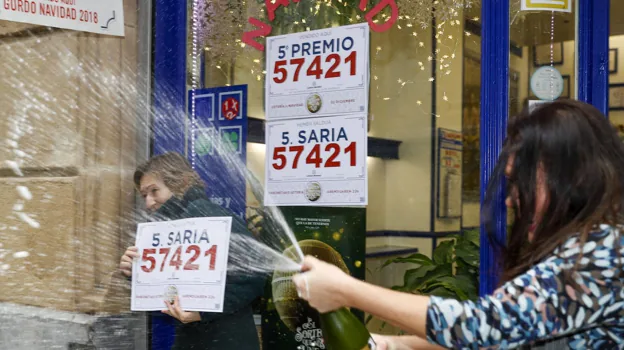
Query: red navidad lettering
{"type": "Point", "coordinates": [376, 10]}
{"type": "Point", "coordinates": [271, 7]}
{"type": "Point", "coordinates": [263, 29]}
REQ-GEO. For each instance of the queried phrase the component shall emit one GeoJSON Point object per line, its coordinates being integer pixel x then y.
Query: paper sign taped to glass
{"type": "Point", "coordinates": [546, 5]}
{"type": "Point", "coordinates": [181, 258]}
{"type": "Point", "coordinates": [94, 16]}
{"type": "Point", "coordinates": [316, 162]}
{"type": "Point", "coordinates": [450, 147]}
{"type": "Point", "coordinates": [318, 73]}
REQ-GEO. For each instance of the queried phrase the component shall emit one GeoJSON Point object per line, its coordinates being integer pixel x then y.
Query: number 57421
{"type": "Point", "coordinates": [315, 69]}
{"type": "Point", "coordinates": [314, 156]}
{"type": "Point", "coordinates": [162, 258]}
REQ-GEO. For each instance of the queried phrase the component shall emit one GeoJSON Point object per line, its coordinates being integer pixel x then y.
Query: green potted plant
{"type": "Point", "coordinates": [452, 272]}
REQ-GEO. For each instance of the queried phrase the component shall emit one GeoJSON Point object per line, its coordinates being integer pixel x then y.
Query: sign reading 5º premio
{"type": "Point", "coordinates": [318, 73]}
{"type": "Point", "coordinates": [184, 258]}
{"type": "Point", "coordinates": [316, 161]}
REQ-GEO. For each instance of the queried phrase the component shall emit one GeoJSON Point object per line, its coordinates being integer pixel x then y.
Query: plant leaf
{"type": "Point", "coordinates": [453, 237]}
{"type": "Point", "coordinates": [417, 281]}
{"type": "Point", "coordinates": [416, 258]}
{"type": "Point", "coordinates": [454, 292]}
{"type": "Point", "coordinates": [398, 288]}
{"type": "Point", "coordinates": [442, 292]}
{"type": "Point", "coordinates": [473, 236]}
{"type": "Point", "coordinates": [443, 254]}
{"type": "Point", "coordinates": [469, 284]}
{"type": "Point", "coordinates": [464, 269]}
{"type": "Point", "coordinates": [413, 276]}
{"type": "Point", "coordinates": [468, 252]}
{"type": "Point", "coordinates": [451, 284]}
{"type": "Point", "coordinates": [464, 286]}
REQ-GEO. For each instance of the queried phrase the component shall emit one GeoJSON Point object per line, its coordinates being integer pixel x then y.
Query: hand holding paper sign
{"type": "Point", "coordinates": [174, 309]}
{"type": "Point", "coordinates": [126, 260]}
{"type": "Point", "coordinates": [185, 258]}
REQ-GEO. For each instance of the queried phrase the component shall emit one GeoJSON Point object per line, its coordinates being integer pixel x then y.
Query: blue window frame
{"type": "Point", "coordinates": [494, 114]}
{"type": "Point", "coordinates": [169, 124]}
{"type": "Point", "coordinates": [593, 47]}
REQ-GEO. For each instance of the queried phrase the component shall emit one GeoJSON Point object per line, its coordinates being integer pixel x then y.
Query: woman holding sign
{"type": "Point", "coordinates": [562, 278]}
{"type": "Point", "coordinates": [172, 190]}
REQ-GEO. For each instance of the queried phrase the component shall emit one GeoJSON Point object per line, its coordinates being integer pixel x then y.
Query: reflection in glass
{"type": "Point", "coordinates": [616, 70]}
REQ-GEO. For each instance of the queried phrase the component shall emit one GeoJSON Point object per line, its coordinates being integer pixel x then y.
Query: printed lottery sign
{"type": "Point", "coordinates": [450, 145]}
{"type": "Point", "coordinates": [230, 108]}
{"type": "Point", "coordinates": [95, 16]}
{"type": "Point", "coordinates": [318, 73]}
{"type": "Point", "coordinates": [185, 258]}
{"type": "Point", "coordinates": [316, 162]}
{"type": "Point", "coordinates": [546, 5]}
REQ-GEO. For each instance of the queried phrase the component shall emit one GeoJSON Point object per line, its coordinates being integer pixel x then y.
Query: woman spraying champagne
{"type": "Point", "coordinates": [562, 262]}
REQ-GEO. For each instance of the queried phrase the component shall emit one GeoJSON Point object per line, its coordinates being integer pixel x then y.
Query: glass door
{"type": "Point", "coordinates": [542, 56]}
{"type": "Point", "coordinates": [535, 52]}
{"type": "Point", "coordinates": [615, 68]}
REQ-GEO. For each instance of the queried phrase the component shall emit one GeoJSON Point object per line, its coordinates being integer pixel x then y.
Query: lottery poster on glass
{"type": "Point", "coordinates": [181, 258]}
{"type": "Point", "coordinates": [450, 146]}
{"type": "Point", "coordinates": [318, 73]}
{"type": "Point", "coordinates": [317, 162]}
{"type": "Point", "coordinates": [316, 109]}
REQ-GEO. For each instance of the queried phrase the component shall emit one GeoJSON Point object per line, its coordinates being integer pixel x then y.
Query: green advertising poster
{"type": "Point", "coordinates": [335, 235]}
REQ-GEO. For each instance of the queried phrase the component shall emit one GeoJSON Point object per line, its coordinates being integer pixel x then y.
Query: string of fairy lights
{"type": "Point", "coordinates": [552, 54]}
{"type": "Point", "coordinates": [218, 26]}
{"type": "Point", "coordinates": [195, 75]}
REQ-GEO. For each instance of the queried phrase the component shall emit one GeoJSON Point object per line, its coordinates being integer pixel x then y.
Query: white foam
{"type": "Point", "coordinates": [27, 219]}
{"type": "Point", "coordinates": [21, 255]}
{"type": "Point", "coordinates": [24, 192]}
{"type": "Point", "coordinates": [13, 165]}
{"type": "Point", "coordinates": [20, 153]}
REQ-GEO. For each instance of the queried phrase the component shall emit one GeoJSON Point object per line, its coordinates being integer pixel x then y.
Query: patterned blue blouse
{"type": "Point", "coordinates": [538, 306]}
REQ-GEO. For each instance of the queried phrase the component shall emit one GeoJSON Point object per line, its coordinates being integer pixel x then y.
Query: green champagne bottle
{"type": "Point", "coordinates": [343, 331]}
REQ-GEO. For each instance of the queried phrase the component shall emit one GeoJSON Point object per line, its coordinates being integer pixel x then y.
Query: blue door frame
{"type": "Point", "coordinates": [169, 106]}
{"type": "Point", "coordinates": [593, 53]}
{"type": "Point", "coordinates": [170, 36]}
{"type": "Point", "coordinates": [170, 39]}
{"type": "Point", "coordinates": [494, 113]}
{"type": "Point", "coordinates": [593, 36]}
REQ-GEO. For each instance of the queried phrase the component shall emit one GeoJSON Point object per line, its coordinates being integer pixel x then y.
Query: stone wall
{"type": "Point", "coordinates": [34, 328]}
{"type": "Point", "coordinates": [68, 120]}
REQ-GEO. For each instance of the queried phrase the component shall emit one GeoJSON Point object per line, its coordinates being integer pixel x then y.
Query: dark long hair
{"type": "Point", "coordinates": [582, 159]}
